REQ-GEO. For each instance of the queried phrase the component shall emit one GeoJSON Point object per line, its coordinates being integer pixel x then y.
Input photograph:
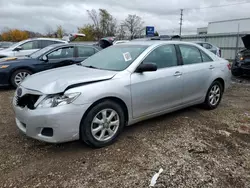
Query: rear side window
{"type": "Point", "coordinates": [84, 51]}
{"type": "Point", "coordinates": [207, 46]}
{"type": "Point", "coordinates": [190, 54]}
{"type": "Point", "coordinates": [205, 57]}
{"type": "Point", "coordinates": [163, 56]}
{"type": "Point", "coordinates": [45, 43]}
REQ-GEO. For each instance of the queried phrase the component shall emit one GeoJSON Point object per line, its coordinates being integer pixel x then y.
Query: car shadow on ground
{"type": "Point", "coordinates": [129, 132]}
{"type": "Point", "coordinates": [241, 79]}
{"type": "Point", "coordinates": [6, 88]}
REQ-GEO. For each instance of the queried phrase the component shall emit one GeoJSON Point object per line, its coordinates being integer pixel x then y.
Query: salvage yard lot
{"type": "Point", "coordinates": [195, 148]}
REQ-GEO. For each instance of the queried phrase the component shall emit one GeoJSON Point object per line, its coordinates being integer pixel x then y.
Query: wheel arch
{"type": "Point", "coordinates": [115, 99]}
{"type": "Point", "coordinates": [20, 68]}
{"type": "Point", "coordinates": [221, 80]}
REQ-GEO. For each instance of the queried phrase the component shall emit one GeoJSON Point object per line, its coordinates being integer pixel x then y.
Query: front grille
{"type": "Point", "coordinates": [27, 100]}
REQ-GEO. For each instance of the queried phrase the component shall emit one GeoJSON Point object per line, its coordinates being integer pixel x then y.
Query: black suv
{"type": "Point", "coordinates": [241, 65]}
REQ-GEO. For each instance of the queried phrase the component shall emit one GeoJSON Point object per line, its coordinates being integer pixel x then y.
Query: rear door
{"type": "Point", "coordinates": [157, 91]}
{"type": "Point", "coordinates": [45, 43]}
{"type": "Point", "coordinates": [60, 57]}
{"type": "Point", "coordinates": [197, 73]}
{"type": "Point", "coordinates": [84, 52]}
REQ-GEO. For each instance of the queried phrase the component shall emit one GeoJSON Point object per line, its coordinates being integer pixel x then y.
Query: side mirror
{"type": "Point", "coordinates": [147, 67]}
{"type": "Point", "coordinates": [18, 48]}
{"type": "Point", "coordinates": [45, 58]}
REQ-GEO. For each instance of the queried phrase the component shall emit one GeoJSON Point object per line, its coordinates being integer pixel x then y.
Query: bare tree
{"type": "Point", "coordinates": [49, 31]}
{"type": "Point", "coordinates": [94, 17]}
{"type": "Point", "coordinates": [103, 23]}
{"type": "Point", "coordinates": [134, 25]}
{"type": "Point", "coordinates": [59, 31]}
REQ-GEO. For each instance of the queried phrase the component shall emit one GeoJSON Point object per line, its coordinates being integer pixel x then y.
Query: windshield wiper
{"type": "Point", "coordinates": [90, 66]}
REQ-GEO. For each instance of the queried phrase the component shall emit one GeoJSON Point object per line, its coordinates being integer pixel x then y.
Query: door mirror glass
{"type": "Point", "coordinates": [45, 58]}
{"type": "Point", "coordinates": [148, 67]}
{"type": "Point", "coordinates": [18, 48]}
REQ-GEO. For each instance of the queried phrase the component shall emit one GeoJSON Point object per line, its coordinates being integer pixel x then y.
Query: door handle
{"type": "Point", "coordinates": [211, 67]}
{"type": "Point", "coordinates": [177, 73]}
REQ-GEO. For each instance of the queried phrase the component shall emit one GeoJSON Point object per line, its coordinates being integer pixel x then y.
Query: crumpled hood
{"type": "Point", "coordinates": [57, 80]}
{"type": "Point", "coordinates": [246, 41]}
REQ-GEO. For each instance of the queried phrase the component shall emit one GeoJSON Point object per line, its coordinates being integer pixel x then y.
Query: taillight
{"type": "Point", "coordinates": [229, 66]}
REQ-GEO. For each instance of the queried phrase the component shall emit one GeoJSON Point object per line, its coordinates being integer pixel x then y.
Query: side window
{"type": "Point", "coordinates": [67, 52]}
{"type": "Point", "coordinates": [45, 43]}
{"type": "Point", "coordinates": [30, 45]}
{"type": "Point", "coordinates": [190, 54]}
{"type": "Point", "coordinates": [85, 51]}
{"type": "Point", "coordinates": [56, 42]}
{"type": "Point", "coordinates": [205, 57]}
{"type": "Point", "coordinates": [163, 56]}
{"type": "Point", "coordinates": [207, 46]}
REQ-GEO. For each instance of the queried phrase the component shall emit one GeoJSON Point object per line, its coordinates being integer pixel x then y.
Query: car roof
{"type": "Point", "coordinates": [74, 44]}
{"type": "Point", "coordinates": [155, 42]}
{"type": "Point", "coordinates": [52, 39]}
{"type": "Point", "coordinates": [198, 42]}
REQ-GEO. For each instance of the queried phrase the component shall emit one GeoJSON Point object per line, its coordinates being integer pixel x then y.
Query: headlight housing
{"type": "Point", "coordinates": [58, 100]}
{"type": "Point", "coordinates": [4, 66]}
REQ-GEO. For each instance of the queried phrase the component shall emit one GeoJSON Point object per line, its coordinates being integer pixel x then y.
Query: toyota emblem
{"type": "Point", "coordinates": [19, 92]}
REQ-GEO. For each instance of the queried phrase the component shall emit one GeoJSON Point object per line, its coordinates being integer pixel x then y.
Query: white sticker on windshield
{"type": "Point", "coordinates": [127, 56]}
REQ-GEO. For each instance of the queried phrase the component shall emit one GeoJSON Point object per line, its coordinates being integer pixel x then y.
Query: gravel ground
{"type": "Point", "coordinates": [194, 147]}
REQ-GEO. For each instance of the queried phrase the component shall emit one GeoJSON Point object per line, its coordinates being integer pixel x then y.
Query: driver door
{"type": "Point", "coordinates": [157, 91]}
{"type": "Point", "coordinates": [60, 57]}
{"type": "Point", "coordinates": [27, 48]}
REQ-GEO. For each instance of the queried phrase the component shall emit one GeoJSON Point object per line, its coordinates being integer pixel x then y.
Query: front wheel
{"type": "Point", "coordinates": [18, 76]}
{"type": "Point", "coordinates": [214, 95]}
{"type": "Point", "coordinates": [103, 124]}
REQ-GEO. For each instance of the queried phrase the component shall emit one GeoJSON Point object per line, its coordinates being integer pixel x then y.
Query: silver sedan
{"type": "Point", "coordinates": [119, 86]}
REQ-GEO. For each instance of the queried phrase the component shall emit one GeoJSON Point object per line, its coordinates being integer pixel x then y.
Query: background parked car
{"type": "Point", "coordinates": [14, 70]}
{"type": "Point", "coordinates": [4, 45]}
{"type": "Point", "coordinates": [29, 46]}
{"type": "Point", "coordinates": [241, 65]}
{"type": "Point", "coordinates": [216, 50]}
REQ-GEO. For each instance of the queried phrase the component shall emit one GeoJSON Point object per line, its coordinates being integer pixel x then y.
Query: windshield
{"type": "Point", "coordinates": [115, 58]}
{"type": "Point", "coordinates": [40, 52]}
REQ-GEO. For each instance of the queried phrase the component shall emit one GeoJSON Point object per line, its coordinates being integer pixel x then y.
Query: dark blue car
{"type": "Point", "coordinates": [14, 70]}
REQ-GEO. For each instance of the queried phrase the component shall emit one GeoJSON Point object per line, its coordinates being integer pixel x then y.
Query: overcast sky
{"type": "Point", "coordinates": [39, 15]}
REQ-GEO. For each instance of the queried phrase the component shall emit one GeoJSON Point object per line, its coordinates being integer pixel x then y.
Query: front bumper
{"type": "Point", "coordinates": [240, 68]}
{"type": "Point", "coordinates": [63, 120]}
{"type": "Point", "coordinates": [4, 78]}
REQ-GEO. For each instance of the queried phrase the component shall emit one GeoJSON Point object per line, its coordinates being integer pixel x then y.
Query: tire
{"type": "Point", "coordinates": [98, 132]}
{"type": "Point", "coordinates": [210, 103]}
{"type": "Point", "coordinates": [19, 73]}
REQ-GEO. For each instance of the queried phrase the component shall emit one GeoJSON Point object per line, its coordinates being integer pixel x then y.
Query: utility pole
{"type": "Point", "coordinates": [181, 19]}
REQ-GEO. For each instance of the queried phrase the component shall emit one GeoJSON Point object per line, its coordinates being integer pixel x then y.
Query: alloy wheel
{"type": "Point", "coordinates": [214, 95]}
{"type": "Point", "coordinates": [20, 77]}
{"type": "Point", "coordinates": [105, 125]}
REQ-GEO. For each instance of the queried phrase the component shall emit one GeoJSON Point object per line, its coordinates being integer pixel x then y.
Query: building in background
{"type": "Point", "coordinates": [202, 30]}
{"type": "Point", "coordinates": [229, 26]}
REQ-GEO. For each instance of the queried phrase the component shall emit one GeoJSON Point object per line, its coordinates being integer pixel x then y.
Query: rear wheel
{"type": "Point", "coordinates": [18, 76]}
{"type": "Point", "coordinates": [214, 95]}
{"type": "Point", "coordinates": [103, 124]}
